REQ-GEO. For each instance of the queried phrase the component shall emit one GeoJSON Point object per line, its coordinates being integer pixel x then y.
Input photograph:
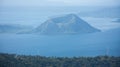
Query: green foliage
{"type": "Point", "coordinates": [13, 60]}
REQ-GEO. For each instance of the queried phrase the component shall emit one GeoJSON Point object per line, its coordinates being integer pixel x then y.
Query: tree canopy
{"type": "Point", "coordinates": [13, 60]}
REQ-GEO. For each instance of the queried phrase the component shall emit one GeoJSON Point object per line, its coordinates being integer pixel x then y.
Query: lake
{"type": "Point", "coordinates": [93, 44]}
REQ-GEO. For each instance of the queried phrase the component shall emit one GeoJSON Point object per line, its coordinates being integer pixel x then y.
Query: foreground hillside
{"type": "Point", "coordinates": [12, 60]}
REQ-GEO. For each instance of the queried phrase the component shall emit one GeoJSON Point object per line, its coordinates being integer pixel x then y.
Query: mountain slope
{"type": "Point", "coordinates": [68, 24]}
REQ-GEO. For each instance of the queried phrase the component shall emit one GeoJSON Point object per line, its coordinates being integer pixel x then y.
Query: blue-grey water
{"type": "Point", "coordinates": [101, 43]}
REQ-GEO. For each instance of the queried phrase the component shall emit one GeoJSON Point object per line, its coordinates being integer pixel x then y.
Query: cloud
{"type": "Point", "coordinates": [88, 2]}
{"type": "Point", "coordinates": [60, 2]}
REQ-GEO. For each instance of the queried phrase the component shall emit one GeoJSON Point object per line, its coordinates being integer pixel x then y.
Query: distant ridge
{"type": "Point", "coordinates": [13, 28]}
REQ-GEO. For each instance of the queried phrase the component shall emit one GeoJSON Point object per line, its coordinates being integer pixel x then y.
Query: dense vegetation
{"type": "Point", "coordinates": [13, 60]}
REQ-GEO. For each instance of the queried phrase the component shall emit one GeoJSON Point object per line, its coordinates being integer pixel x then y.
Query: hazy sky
{"type": "Point", "coordinates": [59, 2]}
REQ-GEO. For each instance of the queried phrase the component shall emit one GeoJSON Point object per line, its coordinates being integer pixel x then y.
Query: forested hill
{"type": "Point", "coordinates": [13, 60]}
